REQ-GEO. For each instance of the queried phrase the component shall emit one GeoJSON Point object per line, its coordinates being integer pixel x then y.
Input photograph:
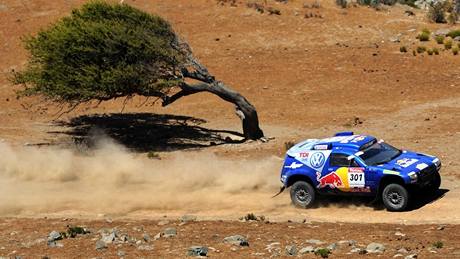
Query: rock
{"type": "Point", "coordinates": [157, 236]}
{"type": "Point", "coordinates": [441, 32]}
{"type": "Point", "coordinates": [375, 248]}
{"type": "Point", "coordinates": [163, 222]}
{"type": "Point", "coordinates": [100, 245]}
{"type": "Point", "coordinates": [108, 238]}
{"type": "Point", "coordinates": [441, 227]}
{"type": "Point", "coordinates": [402, 251]}
{"type": "Point", "coordinates": [54, 235]}
{"type": "Point", "coordinates": [457, 38]}
{"type": "Point", "coordinates": [121, 253]}
{"type": "Point", "coordinates": [291, 250]}
{"type": "Point", "coordinates": [188, 218]}
{"type": "Point", "coordinates": [358, 250]}
{"type": "Point", "coordinates": [306, 250]}
{"type": "Point", "coordinates": [236, 240]}
{"type": "Point", "coordinates": [138, 242]}
{"type": "Point", "coordinates": [332, 246]}
{"type": "Point", "coordinates": [397, 255]}
{"type": "Point", "coordinates": [55, 244]}
{"type": "Point", "coordinates": [197, 251]}
{"type": "Point", "coordinates": [346, 242]}
{"type": "Point", "coordinates": [399, 234]}
{"type": "Point", "coordinates": [145, 248]}
{"type": "Point", "coordinates": [169, 232]}
{"type": "Point", "coordinates": [315, 242]}
{"type": "Point", "coordinates": [411, 256]}
{"type": "Point", "coordinates": [394, 39]}
{"type": "Point", "coordinates": [146, 237]}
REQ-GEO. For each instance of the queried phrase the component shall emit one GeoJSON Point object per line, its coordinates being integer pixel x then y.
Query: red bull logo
{"type": "Point", "coordinates": [332, 180]}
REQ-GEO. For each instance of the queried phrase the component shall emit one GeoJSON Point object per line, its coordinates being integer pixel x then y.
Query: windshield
{"type": "Point", "coordinates": [379, 153]}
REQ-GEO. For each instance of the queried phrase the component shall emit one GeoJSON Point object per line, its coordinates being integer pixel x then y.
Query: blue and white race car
{"type": "Point", "coordinates": [358, 165]}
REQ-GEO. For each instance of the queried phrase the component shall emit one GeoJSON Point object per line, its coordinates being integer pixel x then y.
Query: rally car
{"type": "Point", "coordinates": [349, 164]}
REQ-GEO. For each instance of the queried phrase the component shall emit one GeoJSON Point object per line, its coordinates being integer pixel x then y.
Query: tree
{"type": "Point", "coordinates": [104, 51]}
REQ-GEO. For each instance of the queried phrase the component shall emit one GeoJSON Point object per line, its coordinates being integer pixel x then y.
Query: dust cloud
{"type": "Point", "coordinates": [111, 180]}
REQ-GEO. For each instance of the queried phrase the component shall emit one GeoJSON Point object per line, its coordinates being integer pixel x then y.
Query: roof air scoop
{"type": "Point", "coordinates": [344, 133]}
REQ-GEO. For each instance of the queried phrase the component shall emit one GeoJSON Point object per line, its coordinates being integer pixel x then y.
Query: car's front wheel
{"type": "Point", "coordinates": [302, 194]}
{"type": "Point", "coordinates": [395, 197]}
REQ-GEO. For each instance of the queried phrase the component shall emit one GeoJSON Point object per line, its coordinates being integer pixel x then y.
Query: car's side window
{"type": "Point", "coordinates": [339, 160]}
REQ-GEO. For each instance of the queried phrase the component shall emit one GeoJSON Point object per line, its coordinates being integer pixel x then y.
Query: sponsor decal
{"type": "Point", "coordinates": [294, 165]}
{"type": "Point", "coordinates": [421, 166]}
{"type": "Point", "coordinates": [303, 154]}
{"type": "Point", "coordinates": [332, 180]}
{"type": "Point", "coordinates": [322, 147]}
{"type": "Point", "coordinates": [343, 178]}
{"type": "Point", "coordinates": [360, 189]}
{"type": "Point", "coordinates": [406, 162]}
{"type": "Point", "coordinates": [317, 160]}
{"type": "Point", "coordinates": [358, 139]}
{"type": "Point", "coordinates": [385, 171]}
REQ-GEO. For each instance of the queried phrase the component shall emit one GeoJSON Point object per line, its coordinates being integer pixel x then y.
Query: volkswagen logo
{"type": "Point", "coordinates": [317, 160]}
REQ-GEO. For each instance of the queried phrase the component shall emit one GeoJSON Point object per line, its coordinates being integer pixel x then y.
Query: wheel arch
{"type": "Point", "coordinates": [299, 177]}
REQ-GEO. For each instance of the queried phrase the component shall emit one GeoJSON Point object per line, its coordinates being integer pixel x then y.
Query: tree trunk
{"type": "Point", "coordinates": [250, 120]}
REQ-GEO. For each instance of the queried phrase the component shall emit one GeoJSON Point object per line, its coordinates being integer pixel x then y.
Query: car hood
{"type": "Point", "coordinates": [409, 161]}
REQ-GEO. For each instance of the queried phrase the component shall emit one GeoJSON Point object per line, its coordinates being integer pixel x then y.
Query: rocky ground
{"type": "Point", "coordinates": [186, 237]}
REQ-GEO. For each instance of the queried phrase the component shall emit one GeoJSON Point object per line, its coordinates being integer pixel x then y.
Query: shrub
{"type": "Point", "coordinates": [403, 49]}
{"type": "Point", "coordinates": [153, 155]}
{"type": "Point", "coordinates": [453, 33]}
{"type": "Point", "coordinates": [439, 39]}
{"type": "Point", "coordinates": [421, 49]}
{"type": "Point", "coordinates": [430, 52]}
{"type": "Point", "coordinates": [272, 10]}
{"type": "Point", "coordinates": [323, 252]}
{"type": "Point", "coordinates": [448, 44]}
{"type": "Point", "coordinates": [436, 12]}
{"type": "Point", "coordinates": [438, 244]}
{"type": "Point", "coordinates": [342, 3]}
{"type": "Point", "coordinates": [436, 51]}
{"type": "Point", "coordinates": [424, 35]}
{"type": "Point", "coordinates": [455, 50]}
{"type": "Point", "coordinates": [452, 18]}
{"type": "Point", "coordinates": [414, 52]}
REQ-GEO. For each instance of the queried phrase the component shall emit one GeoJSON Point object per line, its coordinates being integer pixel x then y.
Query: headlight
{"type": "Point", "coordinates": [413, 176]}
{"type": "Point", "coordinates": [437, 162]}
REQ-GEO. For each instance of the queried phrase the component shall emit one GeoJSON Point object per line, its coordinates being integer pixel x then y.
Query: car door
{"type": "Point", "coordinates": [343, 174]}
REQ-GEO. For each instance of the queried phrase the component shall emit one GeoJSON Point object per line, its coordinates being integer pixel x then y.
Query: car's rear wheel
{"type": "Point", "coordinates": [302, 194]}
{"type": "Point", "coordinates": [395, 197]}
{"type": "Point", "coordinates": [434, 185]}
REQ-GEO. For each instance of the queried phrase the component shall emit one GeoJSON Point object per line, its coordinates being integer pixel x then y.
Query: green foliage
{"type": "Point", "coordinates": [436, 12]}
{"type": "Point", "coordinates": [101, 51]}
{"type": "Point", "coordinates": [436, 51]}
{"type": "Point", "coordinates": [438, 244]}
{"type": "Point", "coordinates": [323, 252]}
{"type": "Point", "coordinates": [439, 39]}
{"type": "Point", "coordinates": [424, 35]}
{"type": "Point", "coordinates": [429, 51]}
{"type": "Point", "coordinates": [403, 49]}
{"type": "Point", "coordinates": [421, 49]}
{"type": "Point", "coordinates": [453, 33]}
{"type": "Point", "coordinates": [448, 44]}
{"type": "Point", "coordinates": [153, 155]}
{"type": "Point", "coordinates": [455, 51]}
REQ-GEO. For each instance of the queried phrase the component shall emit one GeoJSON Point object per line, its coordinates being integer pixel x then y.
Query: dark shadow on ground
{"type": "Point", "coordinates": [144, 132]}
{"type": "Point", "coordinates": [419, 199]}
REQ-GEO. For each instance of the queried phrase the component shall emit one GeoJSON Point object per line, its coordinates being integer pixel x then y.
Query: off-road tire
{"type": "Point", "coordinates": [302, 194]}
{"type": "Point", "coordinates": [395, 197]}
